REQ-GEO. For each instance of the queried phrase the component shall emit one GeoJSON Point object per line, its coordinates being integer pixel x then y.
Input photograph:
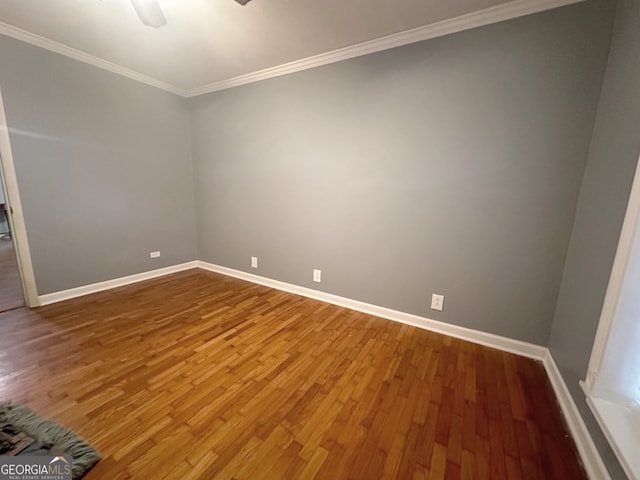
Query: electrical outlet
{"type": "Point", "coordinates": [437, 301]}
{"type": "Point", "coordinates": [154, 254]}
{"type": "Point", "coordinates": [317, 276]}
{"type": "Point", "coordinates": [254, 262]}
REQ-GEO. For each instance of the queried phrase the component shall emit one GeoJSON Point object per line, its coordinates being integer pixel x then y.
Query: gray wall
{"type": "Point", "coordinates": [449, 166]}
{"type": "Point", "coordinates": [103, 165]}
{"type": "Point", "coordinates": [602, 203]}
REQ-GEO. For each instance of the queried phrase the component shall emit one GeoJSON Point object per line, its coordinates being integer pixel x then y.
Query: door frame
{"type": "Point", "coordinates": [16, 218]}
{"type": "Point", "coordinates": [630, 228]}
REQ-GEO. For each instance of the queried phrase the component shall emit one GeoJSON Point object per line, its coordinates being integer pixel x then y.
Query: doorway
{"type": "Point", "coordinates": [15, 256]}
{"type": "Point", "coordinates": [11, 296]}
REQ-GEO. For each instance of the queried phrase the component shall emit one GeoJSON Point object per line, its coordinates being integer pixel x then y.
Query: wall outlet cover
{"type": "Point", "coordinates": [437, 302]}
{"type": "Point", "coordinates": [154, 254]}
{"type": "Point", "coordinates": [254, 262]}
{"type": "Point", "coordinates": [317, 276]}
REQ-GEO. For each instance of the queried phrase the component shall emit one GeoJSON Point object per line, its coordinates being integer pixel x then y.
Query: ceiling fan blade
{"type": "Point", "coordinates": [149, 12]}
{"type": "Point", "coordinates": [243, 2]}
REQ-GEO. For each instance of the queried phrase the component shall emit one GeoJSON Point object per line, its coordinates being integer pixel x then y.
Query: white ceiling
{"type": "Point", "coordinates": [208, 44]}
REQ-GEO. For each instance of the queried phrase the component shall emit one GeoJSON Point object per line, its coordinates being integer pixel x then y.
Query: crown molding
{"type": "Point", "coordinates": [62, 49]}
{"type": "Point", "coordinates": [499, 13]}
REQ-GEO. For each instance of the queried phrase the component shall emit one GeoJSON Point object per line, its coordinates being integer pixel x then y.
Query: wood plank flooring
{"type": "Point", "coordinates": [10, 288]}
{"type": "Point", "coordinates": [200, 376]}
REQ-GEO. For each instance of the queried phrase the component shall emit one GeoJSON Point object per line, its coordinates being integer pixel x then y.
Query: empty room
{"type": "Point", "coordinates": [333, 240]}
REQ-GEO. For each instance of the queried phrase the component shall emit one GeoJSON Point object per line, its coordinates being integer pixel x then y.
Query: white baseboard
{"type": "Point", "coordinates": [591, 459]}
{"type": "Point", "coordinates": [488, 339]}
{"type": "Point", "coordinates": [593, 464]}
{"type": "Point", "coordinates": [116, 282]}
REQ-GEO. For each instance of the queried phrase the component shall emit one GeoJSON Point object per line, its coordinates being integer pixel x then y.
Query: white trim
{"type": "Point", "coordinates": [617, 423]}
{"type": "Point", "coordinates": [16, 217]}
{"type": "Point", "coordinates": [480, 18]}
{"type": "Point", "coordinates": [610, 416]}
{"type": "Point", "coordinates": [616, 281]}
{"type": "Point", "coordinates": [109, 284]}
{"type": "Point", "coordinates": [488, 339]}
{"type": "Point", "coordinates": [593, 464]}
{"type": "Point", "coordinates": [81, 56]}
{"type": "Point", "coordinates": [498, 13]}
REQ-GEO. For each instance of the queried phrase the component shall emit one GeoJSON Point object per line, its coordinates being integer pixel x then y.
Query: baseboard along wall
{"type": "Point", "coordinates": [593, 464]}
{"type": "Point", "coordinates": [109, 284]}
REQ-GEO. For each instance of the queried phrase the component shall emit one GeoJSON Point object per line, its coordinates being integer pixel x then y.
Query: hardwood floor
{"type": "Point", "coordinates": [10, 288]}
{"type": "Point", "coordinates": [201, 376]}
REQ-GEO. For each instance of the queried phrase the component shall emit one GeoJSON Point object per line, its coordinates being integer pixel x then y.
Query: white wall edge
{"type": "Point", "coordinates": [498, 13]}
{"type": "Point", "coordinates": [109, 284]}
{"type": "Point", "coordinates": [591, 459]}
{"type": "Point", "coordinates": [518, 347]}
